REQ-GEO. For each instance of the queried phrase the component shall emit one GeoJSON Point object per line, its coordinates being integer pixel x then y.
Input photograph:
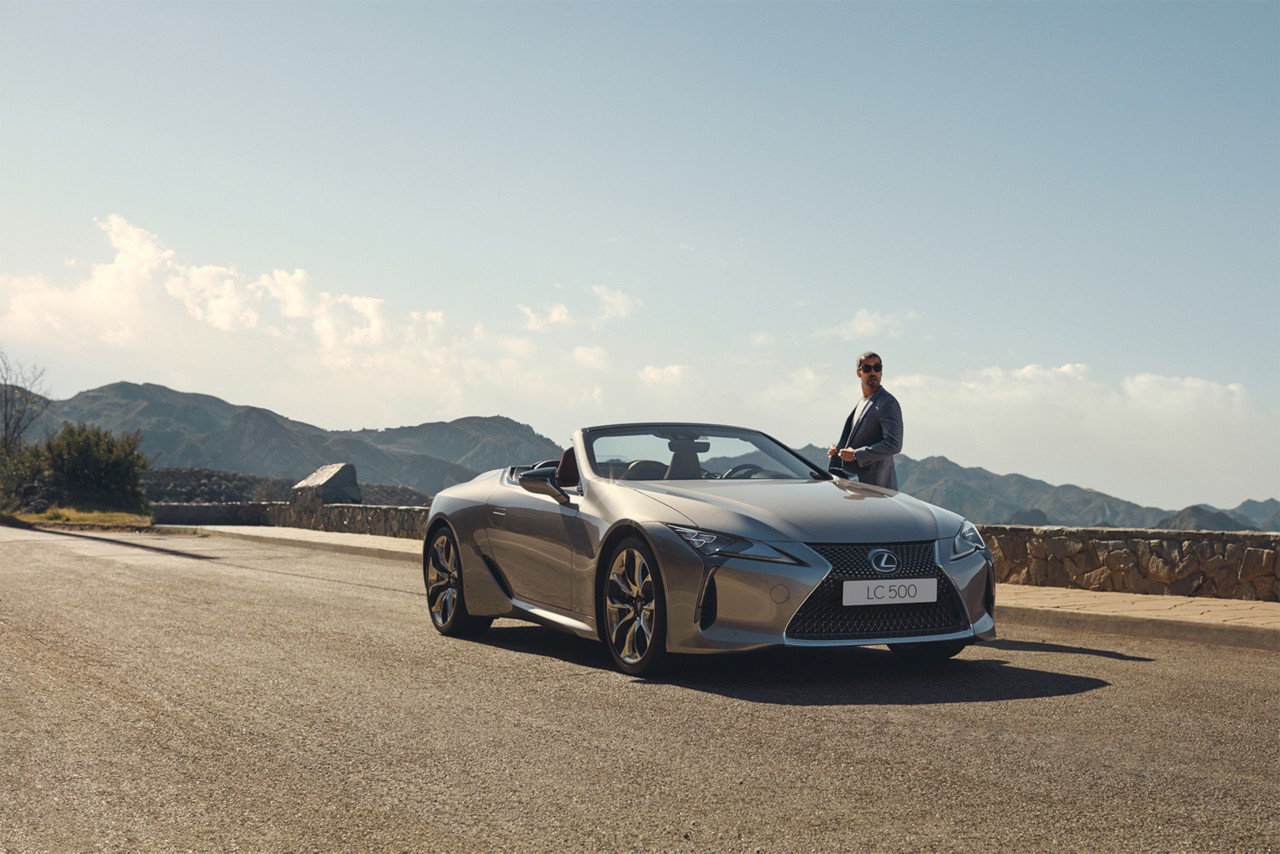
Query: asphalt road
{"type": "Point", "coordinates": [181, 692]}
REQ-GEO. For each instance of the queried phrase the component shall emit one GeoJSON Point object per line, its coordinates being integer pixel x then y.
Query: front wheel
{"type": "Point", "coordinates": [442, 573]}
{"type": "Point", "coordinates": [634, 610]}
{"type": "Point", "coordinates": [928, 651]}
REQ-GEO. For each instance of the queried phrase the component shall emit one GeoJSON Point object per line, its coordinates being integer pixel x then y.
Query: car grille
{"type": "Point", "coordinates": [824, 616]}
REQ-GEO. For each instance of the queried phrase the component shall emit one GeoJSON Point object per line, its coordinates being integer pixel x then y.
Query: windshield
{"type": "Point", "coordinates": [691, 452]}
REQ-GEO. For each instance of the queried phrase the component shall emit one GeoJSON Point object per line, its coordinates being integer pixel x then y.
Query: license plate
{"type": "Point", "coordinates": [891, 592]}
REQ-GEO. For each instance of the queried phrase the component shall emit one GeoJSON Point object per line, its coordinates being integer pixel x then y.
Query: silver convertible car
{"type": "Point", "coordinates": [697, 538]}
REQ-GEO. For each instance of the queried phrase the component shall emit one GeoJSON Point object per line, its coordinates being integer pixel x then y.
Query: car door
{"type": "Point", "coordinates": [532, 540]}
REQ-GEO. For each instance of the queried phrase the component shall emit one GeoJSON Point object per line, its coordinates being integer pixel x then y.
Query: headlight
{"type": "Point", "coordinates": [966, 542]}
{"type": "Point", "coordinates": [715, 544]}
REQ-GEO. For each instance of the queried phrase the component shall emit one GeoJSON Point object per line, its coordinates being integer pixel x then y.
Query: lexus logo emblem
{"type": "Point", "coordinates": [884, 560]}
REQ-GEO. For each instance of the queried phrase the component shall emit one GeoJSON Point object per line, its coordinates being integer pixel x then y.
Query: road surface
{"type": "Point", "coordinates": [162, 692]}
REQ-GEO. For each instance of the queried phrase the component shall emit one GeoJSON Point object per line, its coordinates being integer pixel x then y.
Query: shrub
{"type": "Point", "coordinates": [18, 470]}
{"type": "Point", "coordinates": [85, 464]}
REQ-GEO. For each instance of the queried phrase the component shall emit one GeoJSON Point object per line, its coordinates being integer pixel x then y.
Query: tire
{"type": "Point", "coordinates": [930, 651]}
{"type": "Point", "coordinates": [633, 610]}
{"type": "Point", "coordinates": [442, 574]}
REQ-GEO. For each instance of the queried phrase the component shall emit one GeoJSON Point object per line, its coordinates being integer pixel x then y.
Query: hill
{"type": "Point", "coordinates": [1263, 515]}
{"type": "Point", "coordinates": [1201, 518]}
{"type": "Point", "coordinates": [183, 430]}
{"type": "Point", "coordinates": [998, 498]}
{"type": "Point", "coordinates": [186, 430]}
{"type": "Point", "coordinates": [993, 499]}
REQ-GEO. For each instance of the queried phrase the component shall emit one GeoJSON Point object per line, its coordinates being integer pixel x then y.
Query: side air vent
{"type": "Point", "coordinates": [708, 606]}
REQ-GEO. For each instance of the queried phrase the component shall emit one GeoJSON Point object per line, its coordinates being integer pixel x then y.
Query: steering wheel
{"type": "Point", "coordinates": [742, 470]}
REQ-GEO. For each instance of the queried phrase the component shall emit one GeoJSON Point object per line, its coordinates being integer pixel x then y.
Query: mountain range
{"type": "Point", "coordinates": [188, 430]}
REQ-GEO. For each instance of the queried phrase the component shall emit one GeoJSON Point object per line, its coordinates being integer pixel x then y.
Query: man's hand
{"type": "Point", "coordinates": [847, 454]}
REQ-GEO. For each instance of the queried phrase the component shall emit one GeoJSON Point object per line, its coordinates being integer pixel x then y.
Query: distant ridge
{"type": "Point", "coordinates": [199, 431]}
{"type": "Point", "coordinates": [187, 430]}
{"type": "Point", "coordinates": [991, 498]}
{"type": "Point", "coordinates": [994, 499]}
{"type": "Point", "coordinates": [1200, 518]}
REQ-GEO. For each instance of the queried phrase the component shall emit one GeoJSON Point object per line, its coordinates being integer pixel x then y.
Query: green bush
{"type": "Point", "coordinates": [18, 470]}
{"type": "Point", "coordinates": [87, 465]}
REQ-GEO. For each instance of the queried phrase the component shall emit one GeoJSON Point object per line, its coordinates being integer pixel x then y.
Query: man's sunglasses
{"type": "Point", "coordinates": [866, 369]}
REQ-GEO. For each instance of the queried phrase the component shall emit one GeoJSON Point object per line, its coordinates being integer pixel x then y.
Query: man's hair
{"type": "Point", "coordinates": [867, 355]}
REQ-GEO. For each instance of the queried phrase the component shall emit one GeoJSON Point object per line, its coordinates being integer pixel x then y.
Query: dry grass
{"type": "Point", "coordinates": [71, 517]}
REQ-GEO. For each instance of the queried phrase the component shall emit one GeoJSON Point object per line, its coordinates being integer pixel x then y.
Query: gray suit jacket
{"type": "Point", "coordinates": [875, 439]}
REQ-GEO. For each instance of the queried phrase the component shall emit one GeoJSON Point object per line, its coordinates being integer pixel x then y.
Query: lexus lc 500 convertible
{"type": "Point", "coordinates": [697, 538]}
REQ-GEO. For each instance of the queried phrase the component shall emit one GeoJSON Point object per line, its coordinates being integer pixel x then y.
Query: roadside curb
{"type": "Point", "coordinates": [1254, 637]}
{"type": "Point", "coordinates": [314, 545]}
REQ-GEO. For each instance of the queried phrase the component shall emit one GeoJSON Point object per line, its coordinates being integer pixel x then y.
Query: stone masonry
{"type": "Point", "coordinates": [1225, 565]}
{"type": "Point", "coordinates": [326, 500]}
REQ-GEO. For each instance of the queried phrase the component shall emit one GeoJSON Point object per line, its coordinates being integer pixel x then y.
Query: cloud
{"type": "Point", "coordinates": [555, 316]}
{"type": "Point", "coordinates": [110, 306]}
{"type": "Point", "coordinates": [289, 290]}
{"type": "Point", "coordinates": [614, 304]}
{"type": "Point", "coordinates": [344, 324]}
{"type": "Point", "coordinates": [864, 324]}
{"type": "Point", "coordinates": [213, 294]}
{"type": "Point", "coordinates": [796, 389]}
{"type": "Point", "coordinates": [611, 305]}
{"type": "Point", "coordinates": [138, 252]}
{"type": "Point", "coordinates": [666, 377]}
{"type": "Point", "coordinates": [595, 359]}
{"type": "Point", "coordinates": [138, 299]}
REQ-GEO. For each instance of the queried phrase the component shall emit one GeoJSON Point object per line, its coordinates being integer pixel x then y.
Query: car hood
{"type": "Point", "coordinates": [807, 511]}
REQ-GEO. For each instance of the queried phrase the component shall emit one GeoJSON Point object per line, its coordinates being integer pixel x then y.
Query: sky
{"type": "Point", "coordinates": [1058, 223]}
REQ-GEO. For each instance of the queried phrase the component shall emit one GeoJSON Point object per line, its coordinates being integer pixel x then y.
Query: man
{"type": "Point", "coordinates": [873, 431]}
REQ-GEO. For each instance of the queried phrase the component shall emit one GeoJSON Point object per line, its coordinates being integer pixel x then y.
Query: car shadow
{"type": "Point", "coordinates": [871, 676]}
{"type": "Point", "coordinates": [128, 544]}
{"type": "Point", "coordinates": [536, 640]}
{"type": "Point", "coordinates": [1041, 646]}
{"type": "Point", "coordinates": [820, 677]}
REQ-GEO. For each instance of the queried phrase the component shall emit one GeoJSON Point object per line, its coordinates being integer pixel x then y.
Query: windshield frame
{"type": "Point", "coordinates": [773, 459]}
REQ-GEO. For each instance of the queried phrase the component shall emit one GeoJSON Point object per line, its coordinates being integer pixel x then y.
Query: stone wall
{"type": "Point", "coordinates": [326, 500]}
{"type": "Point", "coordinates": [239, 513]}
{"type": "Point", "coordinates": [374, 519]}
{"type": "Point", "coordinates": [1225, 565]}
{"type": "Point", "coordinates": [405, 522]}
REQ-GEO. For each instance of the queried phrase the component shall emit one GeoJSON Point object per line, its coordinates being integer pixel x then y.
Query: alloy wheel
{"type": "Point", "coordinates": [630, 606]}
{"type": "Point", "coordinates": [442, 579]}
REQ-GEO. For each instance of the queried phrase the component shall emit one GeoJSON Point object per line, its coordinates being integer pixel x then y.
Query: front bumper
{"type": "Point", "coordinates": [735, 604]}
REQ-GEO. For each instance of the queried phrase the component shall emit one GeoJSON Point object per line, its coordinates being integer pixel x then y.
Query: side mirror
{"type": "Point", "coordinates": [542, 481]}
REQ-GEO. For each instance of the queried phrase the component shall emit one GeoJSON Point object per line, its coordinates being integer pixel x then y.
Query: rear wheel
{"type": "Point", "coordinates": [634, 610]}
{"type": "Point", "coordinates": [442, 573]}
{"type": "Point", "coordinates": [929, 650]}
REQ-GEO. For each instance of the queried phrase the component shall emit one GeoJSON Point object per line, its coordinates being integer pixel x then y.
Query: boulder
{"type": "Point", "coordinates": [332, 484]}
